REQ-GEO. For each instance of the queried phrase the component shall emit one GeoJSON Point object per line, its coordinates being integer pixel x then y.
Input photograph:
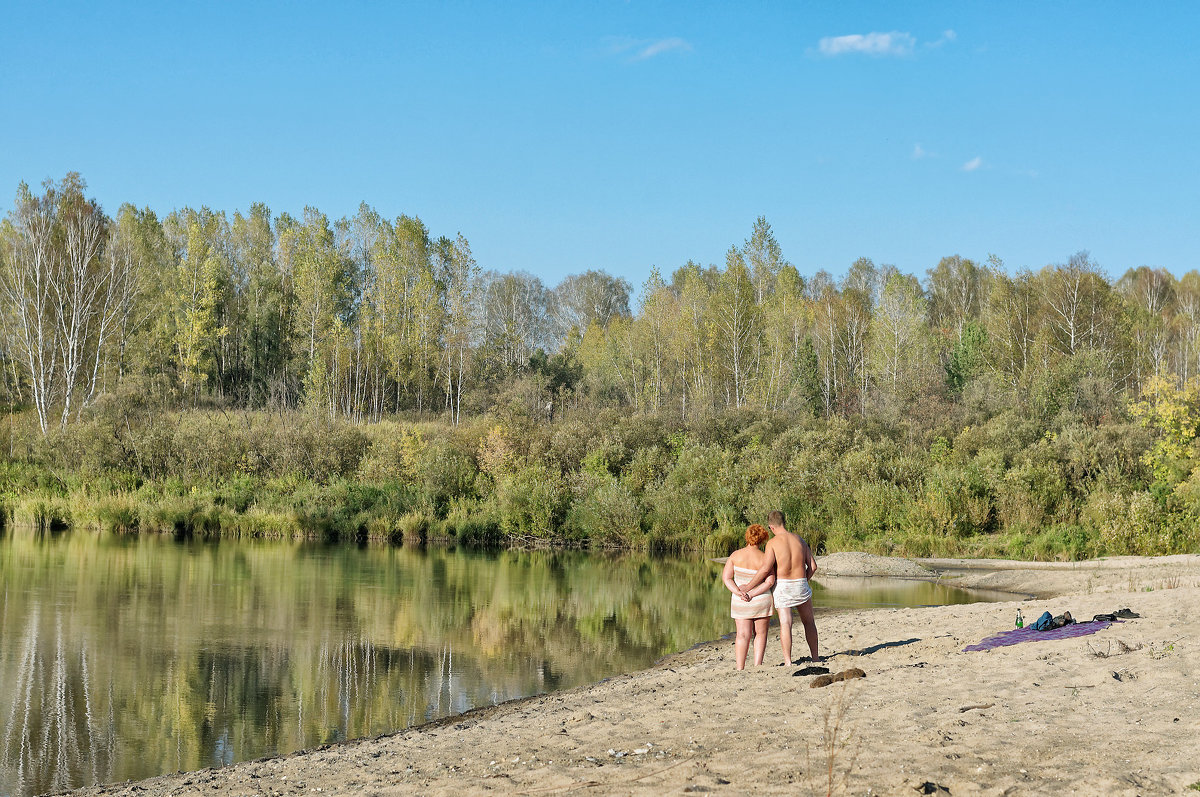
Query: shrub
{"type": "Point", "coordinates": [684, 507]}
{"type": "Point", "coordinates": [414, 526]}
{"type": "Point", "coordinates": [472, 522]}
{"type": "Point", "coordinates": [48, 514]}
{"type": "Point", "coordinates": [1031, 495]}
{"type": "Point", "coordinates": [119, 514]}
{"type": "Point", "coordinates": [444, 473]}
{"type": "Point", "coordinates": [532, 502]}
{"type": "Point", "coordinates": [1127, 525]}
{"type": "Point", "coordinates": [603, 511]}
{"type": "Point", "coordinates": [238, 493]}
{"type": "Point", "coordinates": [645, 469]}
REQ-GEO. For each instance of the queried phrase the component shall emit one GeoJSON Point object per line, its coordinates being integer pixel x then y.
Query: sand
{"type": "Point", "coordinates": [1117, 712]}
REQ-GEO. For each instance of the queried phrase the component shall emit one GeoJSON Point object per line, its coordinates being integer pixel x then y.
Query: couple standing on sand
{"type": "Point", "coordinates": [750, 575]}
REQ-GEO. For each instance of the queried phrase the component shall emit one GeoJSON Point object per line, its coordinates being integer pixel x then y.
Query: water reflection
{"type": "Point", "coordinates": [849, 592]}
{"type": "Point", "coordinates": [129, 657]}
{"type": "Point", "coordinates": [58, 732]}
{"type": "Point", "coordinates": [126, 658]}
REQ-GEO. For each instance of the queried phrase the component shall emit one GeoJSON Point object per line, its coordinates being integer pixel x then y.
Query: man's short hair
{"type": "Point", "coordinates": [775, 518]}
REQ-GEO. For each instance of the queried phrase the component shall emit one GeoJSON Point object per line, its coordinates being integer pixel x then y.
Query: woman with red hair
{"type": "Point", "coordinates": [749, 617]}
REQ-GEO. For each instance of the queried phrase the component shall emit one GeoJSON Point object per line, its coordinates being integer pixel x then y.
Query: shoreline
{"type": "Point", "coordinates": [1111, 713]}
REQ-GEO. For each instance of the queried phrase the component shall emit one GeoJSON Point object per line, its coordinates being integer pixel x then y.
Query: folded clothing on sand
{"type": "Point", "coordinates": [1047, 622]}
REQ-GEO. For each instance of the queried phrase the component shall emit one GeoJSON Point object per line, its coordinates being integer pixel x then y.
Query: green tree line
{"type": "Point", "coordinates": [974, 407]}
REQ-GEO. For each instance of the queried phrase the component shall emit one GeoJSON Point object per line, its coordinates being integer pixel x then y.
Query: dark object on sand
{"type": "Point", "coordinates": [1119, 614]}
{"type": "Point", "coordinates": [929, 787]}
{"type": "Point", "coordinates": [811, 671]}
{"type": "Point", "coordinates": [1048, 623]}
{"type": "Point", "coordinates": [844, 675]}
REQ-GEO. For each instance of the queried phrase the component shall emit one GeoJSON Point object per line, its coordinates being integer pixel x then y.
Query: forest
{"type": "Point", "coordinates": [364, 378]}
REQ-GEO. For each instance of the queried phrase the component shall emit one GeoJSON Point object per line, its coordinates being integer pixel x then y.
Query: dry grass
{"type": "Point", "coordinates": [1122, 648]}
{"type": "Point", "coordinates": [828, 772]}
{"type": "Point", "coordinates": [1160, 650]}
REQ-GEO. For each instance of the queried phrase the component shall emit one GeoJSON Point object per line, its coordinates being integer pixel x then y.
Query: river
{"type": "Point", "coordinates": [127, 657]}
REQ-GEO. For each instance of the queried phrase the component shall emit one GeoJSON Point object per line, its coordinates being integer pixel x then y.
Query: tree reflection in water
{"type": "Point", "coordinates": [128, 657]}
{"type": "Point", "coordinates": [53, 738]}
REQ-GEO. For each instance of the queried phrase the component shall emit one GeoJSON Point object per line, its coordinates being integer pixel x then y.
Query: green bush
{"type": "Point", "coordinates": [683, 510]}
{"type": "Point", "coordinates": [48, 514]}
{"type": "Point", "coordinates": [604, 512]}
{"type": "Point", "coordinates": [473, 522]}
{"type": "Point", "coordinates": [415, 526]}
{"type": "Point", "coordinates": [1128, 524]}
{"type": "Point", "coordinates": [445, 474]}
{"type": "Point", "coordinates": [977, 476]}
{"type": "Point", "coordinates": [532, 502]}
{"type": "Point", "coordinates": [119, 514]}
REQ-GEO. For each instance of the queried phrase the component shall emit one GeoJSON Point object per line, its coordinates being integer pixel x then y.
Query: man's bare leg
{"type": "Point", "coordinates": [785, 633]}
{"type": "Point", "coordinates": [760, 639]}
{"type": "Point", "coordinates": [810, 628]}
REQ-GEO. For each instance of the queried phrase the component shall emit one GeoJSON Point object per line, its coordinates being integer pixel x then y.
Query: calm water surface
{"type": "Point", "coordinates": [127, 657]}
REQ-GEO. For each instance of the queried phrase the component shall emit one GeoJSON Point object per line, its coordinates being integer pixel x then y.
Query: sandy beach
{"type": "Point", "coordinates": [1116, 712]}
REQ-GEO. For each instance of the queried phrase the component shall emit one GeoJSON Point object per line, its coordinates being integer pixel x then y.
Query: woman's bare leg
{"type": "Point", "coordinates": [760, 639]}
{"type": "Point", "coordinates": [741, 644]}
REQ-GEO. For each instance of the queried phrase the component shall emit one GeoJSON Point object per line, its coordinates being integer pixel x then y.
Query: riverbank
{"type": "Point", "coordinates": [1112, 713]}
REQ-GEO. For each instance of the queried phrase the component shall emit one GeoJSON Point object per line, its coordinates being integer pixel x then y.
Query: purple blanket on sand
{"type": "Point", "coordinates": [1018, 635]}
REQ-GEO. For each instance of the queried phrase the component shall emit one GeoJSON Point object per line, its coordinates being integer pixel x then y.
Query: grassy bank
{"type": "Point", "coordinates": [1004, 485]}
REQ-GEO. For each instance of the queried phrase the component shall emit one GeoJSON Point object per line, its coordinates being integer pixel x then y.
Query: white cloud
{"type": "Point", "coordinates": [662, 46]}
{"type": "Point", "coordinates": [947, 37]}
{"type": "Point", "coordinates": [645, 49]}
{"type": "Point", "coordinates": [972, 164]}
{"type": "Point", "coordinates": [877, 44]}
{"type": "Point", "coordinates": [919, 152]}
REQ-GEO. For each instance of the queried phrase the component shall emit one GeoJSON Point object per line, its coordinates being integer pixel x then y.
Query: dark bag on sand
{"type": "Point", "coordinates": [1048, 623]}
{"type": "Point", "coordinates": [1063, 619]}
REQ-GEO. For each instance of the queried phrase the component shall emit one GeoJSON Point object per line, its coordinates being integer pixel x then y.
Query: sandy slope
{"type": "Point", "coordinates": [1076, 715]}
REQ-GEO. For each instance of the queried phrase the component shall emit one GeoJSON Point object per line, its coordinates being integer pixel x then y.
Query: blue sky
{"type": "Point", "coordinates": [560, 137]}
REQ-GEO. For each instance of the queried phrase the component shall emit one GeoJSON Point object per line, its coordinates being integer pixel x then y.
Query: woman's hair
{"type": "Point", "coordinates": [755, 534]}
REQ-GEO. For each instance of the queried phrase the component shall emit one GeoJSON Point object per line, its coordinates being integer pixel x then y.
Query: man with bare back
{"type": "Point", "coordinates": [790, 560]}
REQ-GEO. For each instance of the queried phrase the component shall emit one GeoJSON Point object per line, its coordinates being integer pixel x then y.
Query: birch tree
{"type": "Point", "coordinates": [461, 277]}
{"type": "Point", "coordinates": [1013, 323]}
{"type": "Point", "coordinates": [733, 325]}
{"type": "Point", "coordinates": [899, 337]}
{"type": "Point", "coordinates": [197, 292]}
{"type": "Point", "coordinates": [67, 284]}
{"type": "Point", "coordinates": [321, 283]}
{"type": "Point", "coordinates": [764, 258]}
{"type": "Point", "coordinates": [515, 316]}
{"type": "Point", "coordinates": [956, 293]}
{"type": "Point", "coordinates": [27, 283]}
